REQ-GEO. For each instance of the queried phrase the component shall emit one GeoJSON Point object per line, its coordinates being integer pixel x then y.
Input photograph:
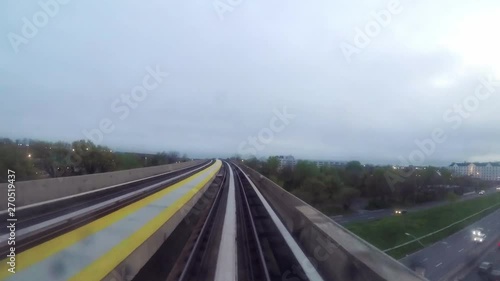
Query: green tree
{"type": "Point", "coordinates": [312, 191]}
{"type": "Point", "coordinates": [41, 152]}
{"type": "Point", "coordinates": [353, 174]}
{"type": "Point", "coordinates": [347, 196]}
{"type": "Point", "coordinates": [253, 163]}
{"type": "Point", "coordinates": [377, 185]}
{"type": "Point", "coordinates": [236, 158]}
{"type": "Point", "coordinates": [446, 175]}
{"type": "Point", "coordinates": [106, 159]}
{"type": "Point", "coordinates": [330, 177]}
{"type": "Point", "coordinates": [270, 167]}
{"type": "Point", "coordinates": [15, 158]}
{"type": "Point", "coordinates": [286, 175]}
{"type": "Point", "coordinates": [159, 159]}
{"type": "Point", "coordinates": [276, 180]}
{"type": "Point", "coordinates": [127, 161]}
{"type": "Point", "coordinates": [430, 176]}
{"type": "Point", "coordinates": [93, 159]}
{"type": "Point", "coordinates": [58, 159]}
{"type": "Point", "coordinates": [53, 158]}
{"type": "Point", "coordinates": [304, 170]}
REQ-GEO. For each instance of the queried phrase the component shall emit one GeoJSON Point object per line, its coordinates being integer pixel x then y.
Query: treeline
{"type": "Point", "coordinates": [33, 159]}
{"type": "Point", "coordinates": [335, 189]}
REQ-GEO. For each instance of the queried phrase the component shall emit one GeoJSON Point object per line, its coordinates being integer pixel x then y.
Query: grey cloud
{"type": "Point", "coordinates": [228, 76]}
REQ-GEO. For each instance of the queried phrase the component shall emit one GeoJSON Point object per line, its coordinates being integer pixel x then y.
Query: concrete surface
{"type": "Point", "coordinates": [334, 251]}
{"type": "Point", "coordinates": [30, 192]}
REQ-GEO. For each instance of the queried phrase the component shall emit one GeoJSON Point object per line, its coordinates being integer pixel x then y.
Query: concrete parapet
{"type": "Point", "coordinates": [36, 191]}
{"type": "Point", "coordinates": [337, 253]}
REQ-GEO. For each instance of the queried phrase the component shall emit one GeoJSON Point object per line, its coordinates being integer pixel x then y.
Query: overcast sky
{"type": "Point", "coordinates": [232, 67]}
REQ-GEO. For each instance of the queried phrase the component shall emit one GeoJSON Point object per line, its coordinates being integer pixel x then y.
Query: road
{"type": "Point", "coordinates": [364, 215]}
{"type": "Point", "coordinates": [455, 251]}
{"type": "Point", "coordinates": [492, 255]}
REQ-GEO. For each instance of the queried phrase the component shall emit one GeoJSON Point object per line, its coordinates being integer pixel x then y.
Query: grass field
{"type": "Point", "coordinates": [389, 232]}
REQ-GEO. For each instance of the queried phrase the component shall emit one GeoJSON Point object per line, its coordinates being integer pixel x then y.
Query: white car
{"type": "Point", "coordinates": [478, 235]}
{"type": "Point", "coordinates": [498, 188]}
{"type": "Point", "coordinates": [481, 192]}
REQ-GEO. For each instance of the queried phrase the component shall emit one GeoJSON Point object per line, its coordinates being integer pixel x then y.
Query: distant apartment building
{"type": "Point", "coordinates": [290, 161]}
{"type": "Point", "coordinates": [286, 161]}
{"type": "Point", "coordinates": [321, 163]}
{"type": "Point", "coordinates": [485, 171]}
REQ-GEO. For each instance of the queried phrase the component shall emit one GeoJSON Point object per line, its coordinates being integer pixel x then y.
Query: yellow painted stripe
{"type": "Point", "coordinates": [51, 247]}
{"type": "Point", "coordinates": [109, 261]}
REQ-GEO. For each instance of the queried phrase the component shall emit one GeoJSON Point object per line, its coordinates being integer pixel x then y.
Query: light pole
{"type": "Point", "coordinates": [408, 234]}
